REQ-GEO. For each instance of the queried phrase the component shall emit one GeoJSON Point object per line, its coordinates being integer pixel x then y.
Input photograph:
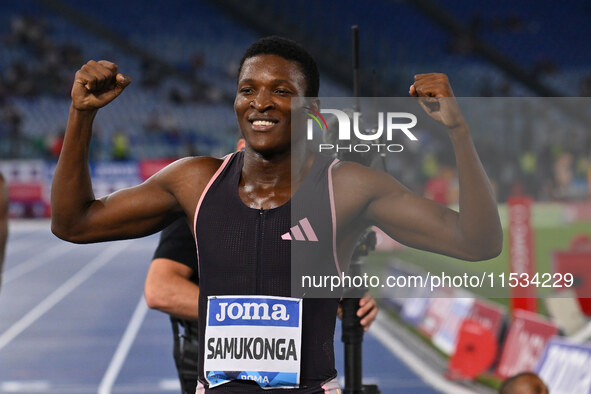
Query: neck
{"type": "Point", "coordinates": [270, 181]}
{"type": "Point", "coordinates": [277, 169]}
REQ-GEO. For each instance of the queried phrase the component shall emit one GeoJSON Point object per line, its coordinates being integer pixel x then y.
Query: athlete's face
{"type": "Point", "coordinates": [266, 85]}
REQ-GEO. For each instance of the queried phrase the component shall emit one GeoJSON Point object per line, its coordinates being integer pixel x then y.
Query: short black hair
{"type": "Point", "coordinates": [508, 385]}
{"type": "Point", "coordinates": [289, 50]}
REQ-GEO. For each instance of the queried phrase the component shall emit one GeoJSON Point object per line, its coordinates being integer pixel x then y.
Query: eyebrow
{"type": "Point", "coordinates": [276, 80]}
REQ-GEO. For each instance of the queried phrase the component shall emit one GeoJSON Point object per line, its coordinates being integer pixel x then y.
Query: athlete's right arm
{"type": "Point", "coordinates": [169, 289]}
{"type": "Point", "coordinates": [76, 215]}
{"type": "Point", "coordinates": [171, 285]}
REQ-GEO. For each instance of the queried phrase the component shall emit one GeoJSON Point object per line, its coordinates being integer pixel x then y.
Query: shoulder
{"type": "Point", "coordinates": [356, 176]}
{"type": "Point", "coordinates": [187, 178]}
{"type": "Point", "coordinates": [188, 170]}
{"type": "Point", "coordinates": [204, 165]}
{"type": "Point", "coordinates": [357, 186]}
{"type": "Point", "coordinates": [348, 167]}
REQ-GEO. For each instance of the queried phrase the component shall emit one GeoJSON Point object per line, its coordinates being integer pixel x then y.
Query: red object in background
{"type": "Point", "coordinates": [581, 242]}
{"type": "Point", "coordinates": [578, 263]}
{"type": "Point", "coordinates": [521, 252]}
{"type": "Point", "coordinates": [150, 167]}
{"type": "Point", "coordinates": [475, 352]}
{"type": "Point", "coordinates": [56, 146]}
{"type": "Point", "coordinates": [525, 343]}
{"type": "Point", "coordinates": [488, 314]}
{"type": "Point", "coordinates": [437, 189]}
{"type": "Point", "coordinates": [25, 192]}
{"type": "Point", "coordinates": [27, 200]}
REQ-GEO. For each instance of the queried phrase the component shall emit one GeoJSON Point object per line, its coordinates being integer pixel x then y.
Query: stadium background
{"type": "Point", "coordinates": [182, 57]}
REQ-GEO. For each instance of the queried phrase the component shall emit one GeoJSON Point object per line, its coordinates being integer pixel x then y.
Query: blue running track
{"type": "Point", "coordinates": [73, 320]}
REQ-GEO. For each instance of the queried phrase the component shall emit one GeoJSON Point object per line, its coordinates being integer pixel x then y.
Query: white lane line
{"type": "Point", "coordinates": [16, 246]}
{"type": "Point", "coordinates": [36, 261]}
{"type": "Point", "coordinates": [66, 288]}
{"type": "Point", "coordinates": [415, 363]}
{"type": "Point", "coordinates": [123, 348]}
{"type": "Point", "coordinates": [24, 386]}
{"type": "Point", "coordinates": [29, 225]}
{"type": "Point", "coordinates": [169, 385]}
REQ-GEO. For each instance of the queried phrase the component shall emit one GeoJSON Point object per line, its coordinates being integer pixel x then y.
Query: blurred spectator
{"type": "Point", "coordinates": [162, 123]}
{"type": "Point", "coordinates": [18, 80]}
{"type": "Point", "coordinates": [563, 176]}
{"type": "Point", "coordinates": [430, 166]}
{"type": "Point", "coordinates": [443, 187]}
{"type": "Point", "coordinates": [528, 165]}
{"type": "Point", "coordinates": [231, 70]}
{"type": "Point", "coordinates": [55, 145]}
{"type": "Point", "coordinates": [11, 119]}
{"type": "Point", "coordinates": [151, 74]}
{"type": "Point", "coordinates": [188, 149]}
{"type": "Point", "coordinates": [26, 30]}
{"type": "Point", "coordinates": [44, 71]}
{"type": "Point", "coordinates": [177, 96]}
{"type": "Point", "coordinates": [120, 146]}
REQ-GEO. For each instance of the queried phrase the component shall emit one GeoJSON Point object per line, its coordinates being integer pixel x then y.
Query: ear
{"type": "Point", "coordinates": [240, 144]}
{"type": "Point", "coordinates": [314, 103]}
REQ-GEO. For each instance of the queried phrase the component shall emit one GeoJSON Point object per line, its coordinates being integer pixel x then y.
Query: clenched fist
{"type": "Point", "coordinates": [437, 99]}
{"type": "Point", "coordinates": [96, 84]}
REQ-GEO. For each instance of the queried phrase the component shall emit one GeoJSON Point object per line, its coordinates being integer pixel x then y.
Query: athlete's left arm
{"type": "Point", "coordinates": [473, 233]}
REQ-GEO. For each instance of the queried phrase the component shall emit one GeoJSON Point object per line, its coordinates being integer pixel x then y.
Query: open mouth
{"type": "Point", "coordinates": [263, 124]}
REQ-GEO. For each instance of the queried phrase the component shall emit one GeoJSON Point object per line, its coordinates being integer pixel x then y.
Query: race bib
{"type": "Point", "coordinates": [256, 338]}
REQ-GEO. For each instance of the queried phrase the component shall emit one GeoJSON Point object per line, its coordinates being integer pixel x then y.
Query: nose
{"type": "Point", "coordinates": [262, 101]}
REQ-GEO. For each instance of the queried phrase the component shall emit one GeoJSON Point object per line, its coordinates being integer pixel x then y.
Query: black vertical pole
{"type": "Point", "coordinates": [352, 331]}
{"type": "Point", "coordinates": [355, 34]}
{"type": "Point", "coordinates": [352, 337]}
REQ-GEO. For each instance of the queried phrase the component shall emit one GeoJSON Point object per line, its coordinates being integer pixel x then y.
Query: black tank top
{"type": "Point", "coordinates": [246, 251]}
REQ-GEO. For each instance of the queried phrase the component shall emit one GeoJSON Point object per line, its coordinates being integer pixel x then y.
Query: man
{"type": "Point", "coordinates": [3, 223]}
{"type": "Point", "coordinates": [240, 210]}
{"type": "Point", "coordinates": [172, 286]}
{"type": "Point", "coordinates": [524, 383]}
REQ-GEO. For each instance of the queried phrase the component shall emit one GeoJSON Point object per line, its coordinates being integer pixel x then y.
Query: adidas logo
{"type": "Point", "coordinates": [296, 232]}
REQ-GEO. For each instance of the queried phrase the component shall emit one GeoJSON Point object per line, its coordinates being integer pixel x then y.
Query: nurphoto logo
{"type": "Point", "coordinates": [376, 140]}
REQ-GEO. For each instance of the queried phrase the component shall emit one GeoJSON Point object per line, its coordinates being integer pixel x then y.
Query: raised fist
{"type": "Point", "coordinates": [96, 84]}
{"type": "Point", "coordinates": [437, 99]}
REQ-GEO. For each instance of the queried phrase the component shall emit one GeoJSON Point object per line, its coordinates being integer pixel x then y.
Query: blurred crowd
{"type": "Point", "coordinates": [554, 172]}
{"type": "Point", "coordinates": [46, 70]}
{"type": "Point", "coordinates": [519, 162]}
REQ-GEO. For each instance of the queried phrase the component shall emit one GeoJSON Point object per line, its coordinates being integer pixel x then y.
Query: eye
{"type": "Point", "coordinates": [246, 90]}
{"type": "Point", "coordinates": [283, 92]}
